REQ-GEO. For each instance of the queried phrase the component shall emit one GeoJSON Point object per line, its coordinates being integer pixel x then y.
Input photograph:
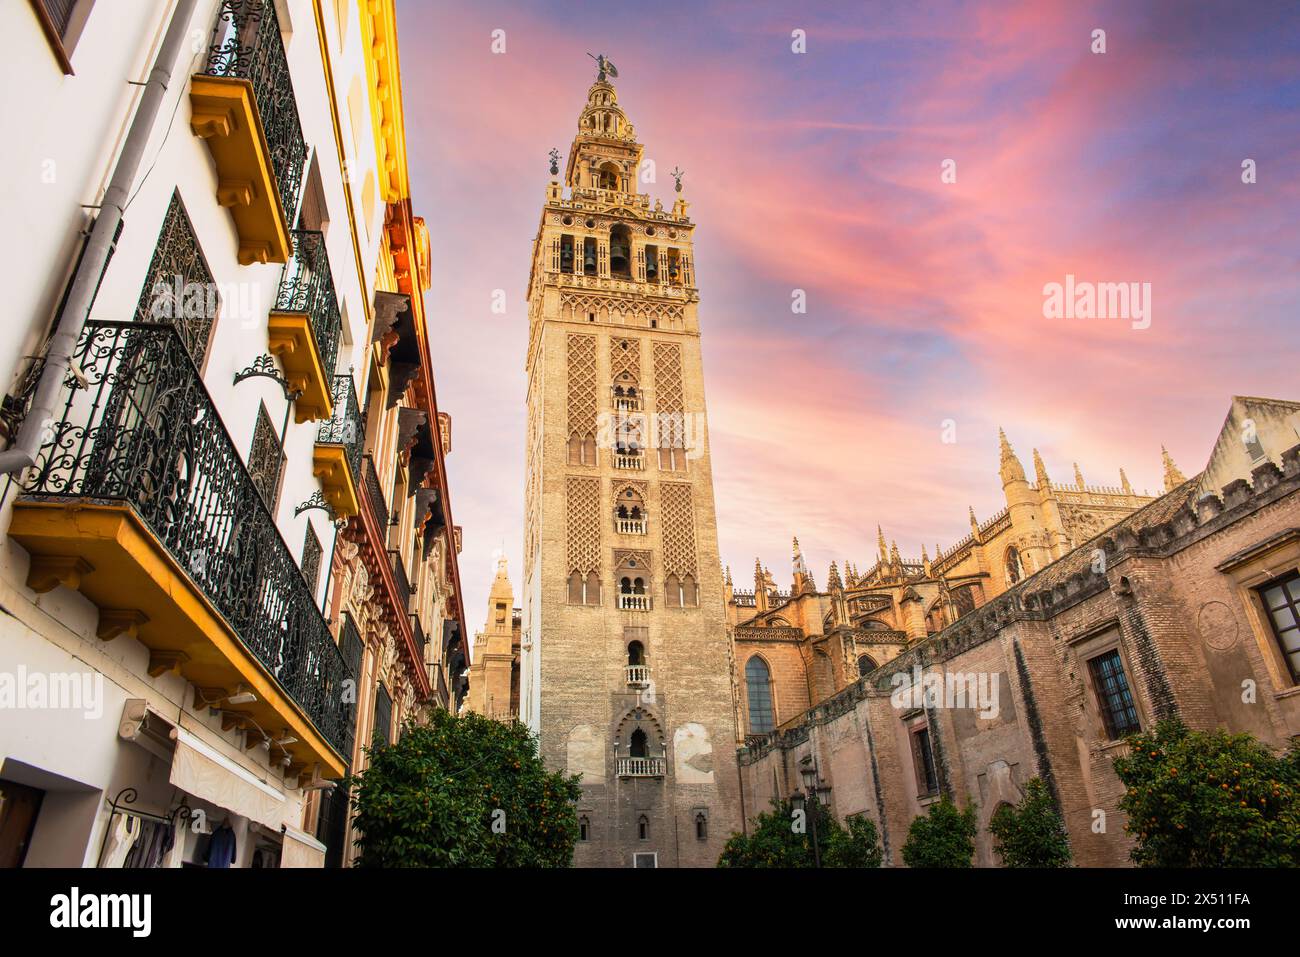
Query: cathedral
{"type": "Point", "coordinates": [625, 668]}
{"type": "Point", "coordinates": [798, 647]}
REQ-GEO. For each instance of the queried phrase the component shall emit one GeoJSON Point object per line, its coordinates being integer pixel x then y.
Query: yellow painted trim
{"type": "Point", "coordinates": [129, 565]}
{"type": "Point", "coordinates": [384, 83]}
{"type": "Point", "coordinates": [330, 465]}
{"type": "Point", "coordinates": [225, 116]}
{"type": "Point", "coordinates": [289, 336]}
{"type": "Point", "coordinates": [366, 303]}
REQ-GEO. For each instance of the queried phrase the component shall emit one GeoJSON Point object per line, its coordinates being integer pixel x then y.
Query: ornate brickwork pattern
{"type": "Point", "coordinates": [668, 378]}
{"type": "Point", "coordinates": [582, 385]}
{"type": "Point", "coordinates": [582, 515]}
{"type": "Point", "coordinates": [624, 357]}
{"type": "Point", "coordinates": [678, 530]}
{"type": "Point", "coordinates": [577, 307]}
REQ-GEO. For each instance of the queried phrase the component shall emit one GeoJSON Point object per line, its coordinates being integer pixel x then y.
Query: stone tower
{"type": "Point", "coordinates": [491, 674]}
{"type": "Point", "coordinates": [625, 654]}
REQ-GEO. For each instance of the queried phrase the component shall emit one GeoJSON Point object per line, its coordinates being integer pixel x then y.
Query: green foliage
{"type": "Point", "coordinates": [1210, 799]}
{"type": "Point", "coordinates": [1031, 834]}
{"type": "Point", "coordinates": [431, 799]}
{"type": "Point", "coordinates": [943, 838]}
{"type": "Point", "coordinates": [775, 841]}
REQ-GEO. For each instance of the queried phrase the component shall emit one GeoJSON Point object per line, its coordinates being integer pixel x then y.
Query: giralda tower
{"type": "Point", "coordinates": [625, 657]}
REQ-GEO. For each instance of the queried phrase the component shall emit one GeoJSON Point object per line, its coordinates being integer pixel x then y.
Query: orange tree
{"type": "Point", "coordinates": [779, 839]}
{"type": "Point", "coordinates": [463, 792]}
{"type": "Point", "coordinates": [1210, 799]}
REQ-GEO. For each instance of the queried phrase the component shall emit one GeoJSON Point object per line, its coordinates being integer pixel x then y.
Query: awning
{"type": "Point", "coordinates": [199, 770]}
{"type": "Point", "coordinates": [301, 850]}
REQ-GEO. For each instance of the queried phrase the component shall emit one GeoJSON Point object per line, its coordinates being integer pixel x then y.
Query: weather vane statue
{"type": "Point", "coordinates": [603, 66]}
{"type": "Point", "coordinates": [677, 175]}
{"type": "Point", "coordinates": [555, 162]}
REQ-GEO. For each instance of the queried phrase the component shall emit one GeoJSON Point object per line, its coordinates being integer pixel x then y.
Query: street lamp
{"type": "Point", "coordinates": [814, 795]}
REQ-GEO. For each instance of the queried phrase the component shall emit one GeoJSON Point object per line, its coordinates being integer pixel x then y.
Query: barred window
{"type": "Point", "coordinates": [1281, 599]}
{"type": "Point", "coordinates": [383, 716]}
{"type": "Point", "coordinates": [1118, 713]}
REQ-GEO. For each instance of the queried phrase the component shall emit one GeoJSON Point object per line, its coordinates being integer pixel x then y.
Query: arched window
{"type": "Point", "coordinates": [1014, 569]}
{"type": "Point", "coordinates": [865, 665]}
{"type": "Point", "coordinates": [643, 828]}
{"type": "Point", "coordinates": [635, 653]}
{"type": "Point", "coordinates": [964, 599]}
{"type": "Point", "coordinates": [701, 827]}
{"type": "Point", "coordinates": [637, 744]}
{"type": "Point", "coordinates": [758, 687]}
{"type": "Point", "coordinates": [584, 828]}
{"type": "Point", "coordinates": [620, 251]}
{"type": "Point", "coordinates": [609, 172]}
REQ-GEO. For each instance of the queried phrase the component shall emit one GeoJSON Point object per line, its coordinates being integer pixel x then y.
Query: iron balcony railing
{"type": "Point", "coordinates": [345, 427]}
{"type": "Point", "coordinates": [307, 286]}
{"type": "Point", "coordinates": [640, 767]}
{"type": "Point", "coordinates": [375, 495]}
{"type": "Point", "coordinates": [246, 44]}
{"type": "Point", "coordinates": [139, 428]}
{"type": "Point", "coordinates": [399, 576]}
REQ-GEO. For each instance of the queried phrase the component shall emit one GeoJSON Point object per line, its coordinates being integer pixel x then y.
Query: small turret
{"type": "Point", "coordinates": [1173, 477]}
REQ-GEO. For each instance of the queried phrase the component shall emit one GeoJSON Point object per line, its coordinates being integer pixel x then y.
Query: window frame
{"type": "Point", "coordinates": [1289, 582]}
{"type": "Point", "coordinates": [1103, 699]}
{"type": "Point", "coordinates": [771, 696]}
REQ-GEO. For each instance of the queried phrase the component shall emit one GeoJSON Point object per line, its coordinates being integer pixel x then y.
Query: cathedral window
{"type": "Point", "coordinates": [1281, 599]}
{"type": "Point", "coordinates": [758, 689]}
{"type": "Point", "coordinates": [632, 594]}
{"type": "Point", "coordinates": [629, 513]}
{"type": "Point", "coordinates": [682, 592]}
{"type": "Point", "coordinates": [582, 449]}
{"type": "Point", "coordinates": [865, 665]}
{"type": "Point", "coordinates": [1014, 569]}
{"type": "Point", "coordinates": [635, 653]}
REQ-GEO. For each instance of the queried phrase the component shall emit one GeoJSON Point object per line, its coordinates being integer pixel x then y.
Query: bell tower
{"type": "Point", "coordinates": [625, 671]}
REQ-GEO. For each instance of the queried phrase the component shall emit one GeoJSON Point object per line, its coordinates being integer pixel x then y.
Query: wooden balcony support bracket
{"type": "Point", "coordinates": [120, 621]}
{"type": "Point", "coordinates": [48, 571]}
{"type": "Point", "coordinates": [162, 661]}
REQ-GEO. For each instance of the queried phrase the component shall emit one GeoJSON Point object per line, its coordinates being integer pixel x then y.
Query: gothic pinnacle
{"type": "Point", "coordinates": [1078, 476]}
{"type": "Point", "coordinates": [1173, 477]}
{"type": "Point", "coordinates": [1040, 470]}
{"type": "Point", "coordinates": [1123, 482]}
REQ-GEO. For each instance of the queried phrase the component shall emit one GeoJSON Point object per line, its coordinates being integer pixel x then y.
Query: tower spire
{"type": "Point", "coordinates": [1173, 477]}
{"type": "Point", "coordinates": [1124, 484]}
{"type": "Point", "coordinates": [1040, 471]}
{"type": "Point", "coordinates": [1078, 476]}
{"type": "Point", "coordinates": [1010, 468]}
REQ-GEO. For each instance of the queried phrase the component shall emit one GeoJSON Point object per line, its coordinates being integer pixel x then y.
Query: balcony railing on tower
{"type": "Point", "coordinates": [640, 767]}
{"type": "Point", "coordinates": [140, 499]}
{"type": "Point", "coordinates": [305, 326]}
{"type": "Point", "coordinates": [339, 445]}
{"type": "Point", "coordinates": [244, 107]}
{"type": "Point", "coordinates": [638, 676]}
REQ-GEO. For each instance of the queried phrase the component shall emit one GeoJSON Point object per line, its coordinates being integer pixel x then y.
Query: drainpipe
{"type": "Point", "coordinates": [58, 357]}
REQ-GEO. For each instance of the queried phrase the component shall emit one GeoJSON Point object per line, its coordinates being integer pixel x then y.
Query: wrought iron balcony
{"type": "Point", "coordinates": [640, 767]}
{"type": "Point", "coordinates": [421, 640]}
{"type": "Point", "coordinates": [305, 326]}
{"type": "Point", "coordinates": [375, 497]}
{"type": "Point", "coordinates": [244, 107]}
{"type": "Point", "coordinates": [634, 602]}
{"type": "Point", "coordinates": [399, 576]}
{"type": "Point", "coordinates": [337, 459]}
{"type": "Point", "coordinates": [638, 676]}
{"type": "Point", "coordinates": [141, 501]}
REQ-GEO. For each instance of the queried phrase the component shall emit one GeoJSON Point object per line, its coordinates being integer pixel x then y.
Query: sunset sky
{"type": "Point", "coordinates": [821, 171]}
